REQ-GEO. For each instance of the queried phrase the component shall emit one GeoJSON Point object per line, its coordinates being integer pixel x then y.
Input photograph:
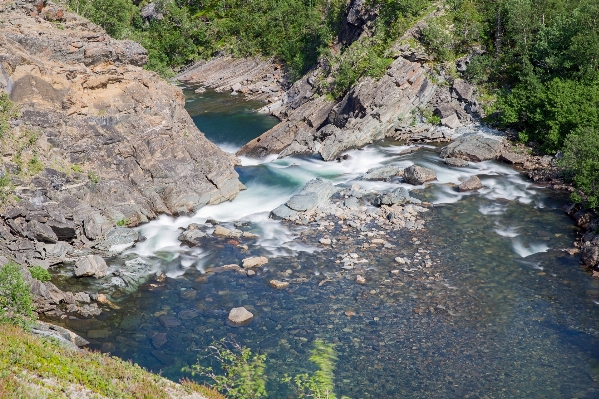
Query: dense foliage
{"type": "Point", "coordinates": [16, 302]}
{"type": "Point", "coordinates": [541, 58]}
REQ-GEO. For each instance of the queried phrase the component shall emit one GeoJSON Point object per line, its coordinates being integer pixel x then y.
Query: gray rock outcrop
{"type": "Point", "coordinates": [368, 112]}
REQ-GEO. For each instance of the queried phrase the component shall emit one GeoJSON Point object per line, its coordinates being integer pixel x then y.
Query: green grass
{"type": "Point", "coordinates": [26, 359]}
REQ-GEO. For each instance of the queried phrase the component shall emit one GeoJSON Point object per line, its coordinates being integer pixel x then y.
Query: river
{"type": "Point", "coordinates": [503, 312]}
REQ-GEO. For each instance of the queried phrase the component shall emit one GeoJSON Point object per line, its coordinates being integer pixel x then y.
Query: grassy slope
{"type": "Point", "coordinates": [34, 367]}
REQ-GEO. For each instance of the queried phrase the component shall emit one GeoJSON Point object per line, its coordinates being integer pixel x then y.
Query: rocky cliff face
{"type": "Point", "coordinates": [110, 142]}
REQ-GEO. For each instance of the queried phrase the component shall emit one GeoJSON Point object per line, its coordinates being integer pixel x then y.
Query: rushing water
{"type": "Point", "coordinates": [502, 312]}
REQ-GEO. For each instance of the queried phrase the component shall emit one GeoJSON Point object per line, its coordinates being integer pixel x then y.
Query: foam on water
{"type": "Point", "coordinates": [526, 251]}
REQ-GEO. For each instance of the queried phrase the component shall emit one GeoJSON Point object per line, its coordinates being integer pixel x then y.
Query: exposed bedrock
{"type": "Point", "coordinates": [369, 111]}
{"type": "Point", "coordinates": [115, 142]}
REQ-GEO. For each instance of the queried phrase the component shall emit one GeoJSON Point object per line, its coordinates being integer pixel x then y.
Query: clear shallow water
{"type": "Point", "coordinates": [508, 316]}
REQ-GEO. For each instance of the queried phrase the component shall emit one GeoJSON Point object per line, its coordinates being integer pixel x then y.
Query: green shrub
{"type": "Point", "coordinates": [93, 177]}
{"type": "Point", "coordinates": [243, 373]}
{"type": "Point", "coordinates": [39, 273]}
{"type": "Point", "coordinates": [16, 303]}
{"type": "Point", "coordinates": [6, 187]}
{"type": "Point", "coordinates": [321, 383]}
{"type": "Point", "coordinates": [581, 164]}
{"type": "Point", "coordinates": [34, 166]}
{"type": "Point", "coordinates": [122, 222]}
{"type": "Point", "coordinates": [547, 112]}
{"type": "Point", "coordinates": [438, 40]}
{"type": "Point", "coordinates": [8, 111]}
{"type": "Point", "coordinates": [113, 15]}
{"type": "Point", "coordinates": [77, 168]}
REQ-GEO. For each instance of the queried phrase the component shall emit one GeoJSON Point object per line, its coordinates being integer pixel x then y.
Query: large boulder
{"type": "Point", "coordinates": [590, 255]}
{"type": "Point", "coordinates": [91, 266]}
{"type": "Point", "coordinates": [418, 175]}
{"type": "Point", "coordinates": [473, 147]}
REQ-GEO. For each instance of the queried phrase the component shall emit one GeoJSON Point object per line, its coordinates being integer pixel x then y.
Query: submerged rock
{"type": "Point", "coordinates": [418, 175]}
{"type": "Point", "coordinates": [240, 316]}
{"type": "Point", "coordinates": [254, 262]}
{"type": "Point", "coordinates": [278, 284]}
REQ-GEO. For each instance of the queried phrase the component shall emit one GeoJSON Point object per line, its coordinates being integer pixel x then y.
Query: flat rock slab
{"type": "Point", "coordinates": [91, 266]}
{"type": "Point", "coordinates": [473, 147]}
{"type": "Point", "coordinates": [473, 183]}
{"type": "Point", "coordinates": [254, 262]}
{"type": "Point", "coordinates": [240, 316]}
{"type": "Point", "coordinates": [418, 175]}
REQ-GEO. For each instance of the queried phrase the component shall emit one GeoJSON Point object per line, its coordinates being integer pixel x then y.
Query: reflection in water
{"type": "Point", "coordinates": [507, 314]}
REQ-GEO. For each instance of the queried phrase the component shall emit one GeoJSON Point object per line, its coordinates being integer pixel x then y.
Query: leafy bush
{"type": "Point", "coordinates": [39, 273]}
{"type": "Point", "coordinates": [243, 373]}
{"type": "Point", "coordinates": [581, 164]}
{"type": "Point", "coordinates": [548, 112]}
{"type": "Point", "coordinates": [8, 110]}
{"type": "Point", "coordinates": [16, 306]}
{"type": "Point", "coordinates": [6, 187]}
{"type": "Point", "coordinates": [321, 383]}
{"type": "Point", "coordinates": [113, 15]}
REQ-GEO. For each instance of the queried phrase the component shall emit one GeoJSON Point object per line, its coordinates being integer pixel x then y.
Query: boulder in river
{"type": "Point", "coordinates": [473, 147]}
{"type": "Point", "coordinates": [278, 284]}
{"type": "Point", "coordinates": [383, 172]}
{"type": "Point", "coordinates": [473, 183]}
{"type": "Point", "coordinates": [91, 266]}
{"type": "Point", "coordinates": [458, 162]}
{"type": "Point", "coordinates": [314, 193]}
{"type": "Point", "coordinates": [418, 175]}
{"type": "Point", "coordinates": [240, 316]}
{"type": "Point", "coordinates": [398, 196]}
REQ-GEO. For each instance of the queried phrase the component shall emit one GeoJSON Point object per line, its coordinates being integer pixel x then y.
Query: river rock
{"type": "Point", "coordinates": [169, 321]}
{"type": "Point", "coordinates": [158, 339]}
{"type": "Point", "coordinates": [473, 183]}
{"type": "Point", "coordinates": [314, 193]}
{"type": "Point", "coordinates": [91, 266]}
{"type": "Point", "coordinates": [398, 196]}
{"type": "Point", "coordinates": [473, 147]}
{"type": "Point", "coordinates": [240, 316]}
{"type": "Point", "coordinates": [418, 175]}
{"type": "Point", "coordinates": [191, 237]}
{"type": "Point", "coordinates": [458, 162]}
{"type": "Point", "coordinates": [303, 202]}
{"type": "Point", "coordinates": [278, 284]}
{"type": "Point", "coordinates": [254, 262]}
{"type": "Point", "coordinates": [383, 172]}
{"type": "Point", "coordinates": [590, 255]}
{"type": "Point", "coordinates": [325, 241]}
{"type": "Point", "coordinates": [360, 279]}
{"type": "Point", "coordinates": [351, 202]}
{"type": "Point", "coordinates": [117, 239]}
{"type": "Point", "coordinates": [512, 157]}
